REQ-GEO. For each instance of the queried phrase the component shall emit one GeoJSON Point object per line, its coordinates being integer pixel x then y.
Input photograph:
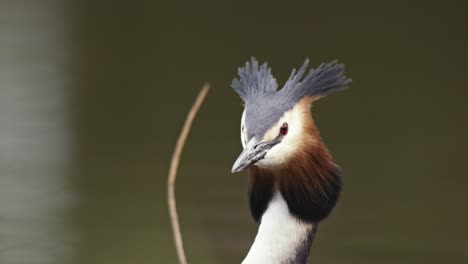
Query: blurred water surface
{"type": "Point", "coordinates": [35, 195]}
{"type": "Point", "coordinates": [93, 95]}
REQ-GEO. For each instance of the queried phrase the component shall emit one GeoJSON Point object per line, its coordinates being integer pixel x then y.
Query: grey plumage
{"type": "Point", "coordinates": [265, 104]}
{"type": "Point", "coordinates": [254, 80]}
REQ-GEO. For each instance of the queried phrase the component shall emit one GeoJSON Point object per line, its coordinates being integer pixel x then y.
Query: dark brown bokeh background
{"type": "Point", "coordinates": [93, 96]}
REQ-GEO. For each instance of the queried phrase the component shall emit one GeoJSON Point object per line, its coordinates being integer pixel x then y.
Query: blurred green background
{"type": "Point", "coordinates": [93, 95]}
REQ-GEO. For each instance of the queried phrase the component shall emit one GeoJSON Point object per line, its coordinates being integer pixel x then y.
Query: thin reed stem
{"type": "Point", "coordinates": [171, 199]}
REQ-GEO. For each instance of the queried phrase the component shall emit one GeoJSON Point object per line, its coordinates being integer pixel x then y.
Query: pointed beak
{"type": "Point", "coordinates": [252, 153]}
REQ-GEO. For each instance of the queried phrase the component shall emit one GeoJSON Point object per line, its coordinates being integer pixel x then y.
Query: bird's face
{"type": "Point", "coordinates": [281, 142]}
{"type": "Point", "coordinates": [276, 124]}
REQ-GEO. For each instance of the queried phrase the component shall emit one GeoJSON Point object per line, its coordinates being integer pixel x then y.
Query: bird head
{"type": "Point", "coordinates": [276, 125]}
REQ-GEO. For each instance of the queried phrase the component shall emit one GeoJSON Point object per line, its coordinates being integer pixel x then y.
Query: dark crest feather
{"type": "Point", "coordinates": [265, 104]}
{"type": "Point", "coordinates": [322, 81]}
{"type": "Point", "coordinates": [254, 80]}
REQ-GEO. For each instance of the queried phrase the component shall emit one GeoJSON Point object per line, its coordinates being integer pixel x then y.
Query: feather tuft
{"type": "Point", "coordinates": [326, 79]}
{"type": "Point", "coordinates": [254, 80]}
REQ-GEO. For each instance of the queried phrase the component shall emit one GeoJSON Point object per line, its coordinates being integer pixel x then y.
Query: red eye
{"type": "Point", "coordinates": [284, 129]}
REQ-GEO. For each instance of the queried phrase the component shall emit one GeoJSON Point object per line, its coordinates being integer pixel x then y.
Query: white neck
{"type": "Point", "coordinates": [281, 237]}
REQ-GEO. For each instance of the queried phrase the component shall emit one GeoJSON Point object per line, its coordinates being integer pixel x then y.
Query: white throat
{"type": "Point", "coordinates": [281, 237]}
